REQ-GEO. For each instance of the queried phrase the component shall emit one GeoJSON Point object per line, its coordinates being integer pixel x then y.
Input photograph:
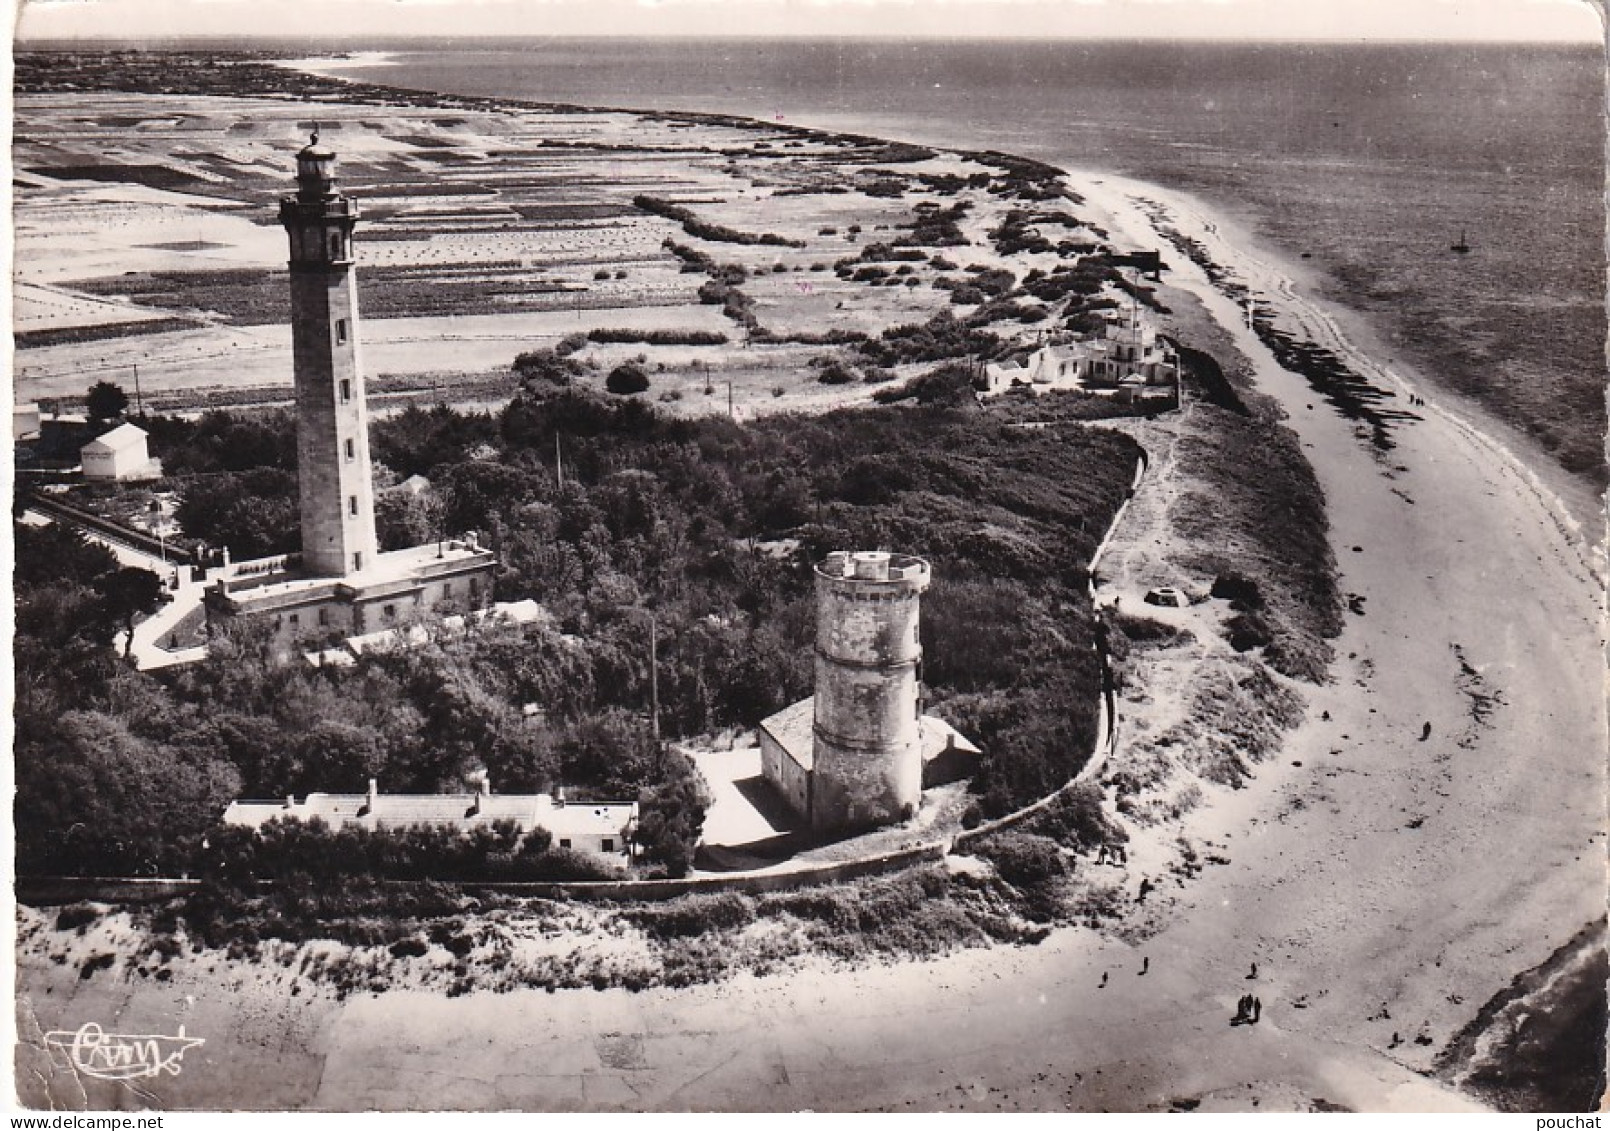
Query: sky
{"type": "Point", "coordinates": [1547, 20]}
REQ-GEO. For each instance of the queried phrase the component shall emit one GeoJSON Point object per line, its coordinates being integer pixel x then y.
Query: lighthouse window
{"type": "Point", "coordinates": [340, 330]}
{"type": "Point", "coordinates": [335, 246]}
{"type": "Point", "coordinates": [350, 448]}
{"type": "Point", "coordinates": [352, 505]}
{"type": "Point", "coordinates": [346, 391]}
{"type": "Point", "coordinates": [357, 562]}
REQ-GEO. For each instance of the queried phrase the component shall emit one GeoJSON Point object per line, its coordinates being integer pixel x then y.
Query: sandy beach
{"type": "Point", "coordinates": [1433, 830]}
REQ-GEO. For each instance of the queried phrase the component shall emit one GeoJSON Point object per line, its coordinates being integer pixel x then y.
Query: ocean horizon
{"type": "Point", "coordinates": [1364, 162]}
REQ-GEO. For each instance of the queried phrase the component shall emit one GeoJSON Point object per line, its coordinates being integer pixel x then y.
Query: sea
{"type": "Point", "coordinates": [1363, 162]}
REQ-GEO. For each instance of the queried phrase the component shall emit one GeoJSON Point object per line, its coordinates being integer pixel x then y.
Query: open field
{"type": "Point", "coordinates": [147, 235]}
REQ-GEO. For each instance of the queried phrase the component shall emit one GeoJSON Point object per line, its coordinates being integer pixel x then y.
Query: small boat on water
{"type": "Point", "coordinates": [1461, 247]}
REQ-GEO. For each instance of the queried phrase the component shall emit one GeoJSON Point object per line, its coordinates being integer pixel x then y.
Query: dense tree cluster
{"type": "Point", "coordinates": [708, 528]}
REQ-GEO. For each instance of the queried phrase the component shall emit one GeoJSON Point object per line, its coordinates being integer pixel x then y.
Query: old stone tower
{"type": "Point", "coordinates": [332, 430]}
{"type": "Point", "coordinates": [859, 752]}
{"type": "Point", "coordinates": [867, 745]}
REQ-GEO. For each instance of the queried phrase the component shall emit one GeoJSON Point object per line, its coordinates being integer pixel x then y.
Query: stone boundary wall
{"type": "Point", "coordinates": [48, 890]}
{"type": "Point", "coordinates": [51, 890]}
{"type": "Point", "coordinates": [106, 528]}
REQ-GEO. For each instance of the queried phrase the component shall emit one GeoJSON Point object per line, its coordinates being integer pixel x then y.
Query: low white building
{"type": "Point", "coordinates": [117, 455]}
{"type": "Point", "coordinates": [788, 753]}
{"type": "Point", "coordinates": [604, 828]}
{"type": "Point", "coordinates": [25, 421]}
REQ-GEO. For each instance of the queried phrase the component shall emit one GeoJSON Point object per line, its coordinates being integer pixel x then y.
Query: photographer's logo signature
{"type": "Point", "coordinates": [122, 1056]}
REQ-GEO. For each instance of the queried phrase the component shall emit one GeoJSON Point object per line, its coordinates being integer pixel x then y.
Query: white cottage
{"type": "Point", "coordinates": [117, 455]}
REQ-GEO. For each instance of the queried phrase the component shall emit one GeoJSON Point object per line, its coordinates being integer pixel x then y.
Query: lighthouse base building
{"type": "Point", "coordinates": [859, 752]}
{"type": "Point", "coordinates": [393, 592]}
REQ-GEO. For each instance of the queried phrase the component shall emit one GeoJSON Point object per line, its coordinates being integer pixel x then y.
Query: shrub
{"type": "Point", "coordinates": [1248, 631]}
{"type": "Point", "coordinates": [835, 374]}
{"type": "Point", "coordinates": [1240, 590]}
{"type": "Point", "coordinates": [568, 345]}
{"type": "Point", "coordinates": [78, 915]}
{"type": "Point", "coordinates": [1145, 630]}
{"type": "Point", "coordinates": [1024, 859]}
{"type": "Point", "coordinates": [626, 380]}
{"type": "Point", "coordinates": [693, 915]}
{"type": "Point", "coordinates": [607, 335]}
{"type": "Point", "coordinates": [1075, 819]}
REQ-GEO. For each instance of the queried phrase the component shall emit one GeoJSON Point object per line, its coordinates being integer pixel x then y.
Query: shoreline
{"type": "Point", "coordinates": [1574, 555]}
{"type": "Point", "coordinates": [1360, 340]}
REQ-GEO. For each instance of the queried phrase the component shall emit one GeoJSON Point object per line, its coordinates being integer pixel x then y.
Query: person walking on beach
{"type": "Point", "coordinates": [1103, 981]}
{"type": "Point", "coordinates": [1257, 1010]}
{"type": "Point", "coordinates": [1145, 964]}
{"type": "Point", "coordinates": [1254, 973]}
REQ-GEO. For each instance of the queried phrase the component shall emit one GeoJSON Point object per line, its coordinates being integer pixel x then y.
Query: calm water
{"type": "Point", "coordinates": [1372, 159]}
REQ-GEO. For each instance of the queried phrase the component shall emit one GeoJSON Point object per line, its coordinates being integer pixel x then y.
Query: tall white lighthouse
{"type": "Point", "coordinates": [340, 585]}
{"type": "Point", "coordinates": [332, 430]}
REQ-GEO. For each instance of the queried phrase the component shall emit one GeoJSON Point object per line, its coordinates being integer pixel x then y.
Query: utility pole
{"type": "Point", "coordinates": [730, 413]}
{"type": "Point", "coordinates": [654, 675]}
{"type": "Point", "coordinates": [139, 405]}
{"type": "Point", "coordinates": [558, 461]}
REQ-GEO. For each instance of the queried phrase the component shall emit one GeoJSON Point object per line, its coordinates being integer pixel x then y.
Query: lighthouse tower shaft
{"type": "Point", "coordinates": [332, 422]}
{"type": "Point", "coordinates": [867, 736]}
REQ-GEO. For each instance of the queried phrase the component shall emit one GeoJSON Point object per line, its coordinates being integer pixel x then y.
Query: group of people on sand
{"type": "Point", "coordinates": [1249, 1009]}
{"type": "Point", "coordinates": [1112, 854]}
